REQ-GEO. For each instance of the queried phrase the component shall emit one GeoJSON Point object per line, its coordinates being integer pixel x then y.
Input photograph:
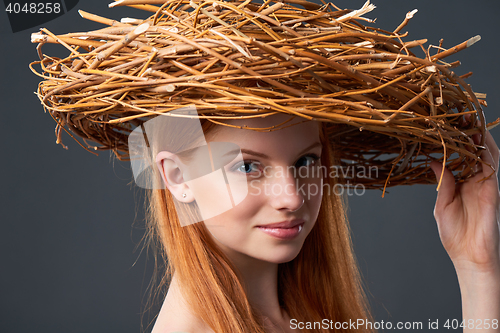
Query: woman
{"type": "Point", "coordinates": [259, 278]}
{"type": "Point", "coordinates": [233, 264]}
{"type": "Point", "coordinates": [273, 261]}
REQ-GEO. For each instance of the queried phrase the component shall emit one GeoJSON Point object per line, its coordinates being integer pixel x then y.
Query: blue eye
{"type": "Point", "coordinates": [246, 167]}
{"type": "Point", "coordinates": [308, 159]}
{"type": "Point", "coordinates": [249, 166]}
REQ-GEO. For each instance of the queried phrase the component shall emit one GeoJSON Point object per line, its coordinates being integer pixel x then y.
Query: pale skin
{"type": "Point", "coordinates": [467, 217]}
{"type": "Point", "coordinates": [468, 220]}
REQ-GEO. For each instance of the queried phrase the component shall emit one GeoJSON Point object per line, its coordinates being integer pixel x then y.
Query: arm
{"type": "Point", "coordinates": [480, 299]}
{"type": "Point", "coordinates": [468, 216]}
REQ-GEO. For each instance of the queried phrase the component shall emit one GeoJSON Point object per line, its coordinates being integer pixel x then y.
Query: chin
{"type": "Point", "coordinates": [283, 259]}
{"type": "Point", "coordinates": [285, 254]}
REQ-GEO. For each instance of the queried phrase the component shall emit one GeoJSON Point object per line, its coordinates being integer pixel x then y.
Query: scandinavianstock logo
{"type": "Point", "coordinates": [26, 14]}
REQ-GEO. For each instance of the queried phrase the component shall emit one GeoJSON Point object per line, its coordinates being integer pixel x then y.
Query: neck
{"type": "Point", "coordinates": [260, 279]}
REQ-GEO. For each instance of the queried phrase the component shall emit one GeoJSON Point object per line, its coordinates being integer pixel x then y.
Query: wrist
{"type": "Point", "coordinates": [476, 278]}
{"type": "Point", "coordinates": [468, 269]}
{"type": "Point", "coordinates": [480, 291]}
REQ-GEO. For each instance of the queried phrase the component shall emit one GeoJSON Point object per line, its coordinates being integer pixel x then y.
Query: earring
{"type": "Point", "coordinates": [184, 195]}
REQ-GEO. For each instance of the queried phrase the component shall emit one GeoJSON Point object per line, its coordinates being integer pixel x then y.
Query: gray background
{"type": "Point", "coordinates": [70, 221]}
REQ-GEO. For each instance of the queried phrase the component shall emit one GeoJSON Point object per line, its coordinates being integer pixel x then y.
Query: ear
{"type": "Point", "coordinates": [169, 166]}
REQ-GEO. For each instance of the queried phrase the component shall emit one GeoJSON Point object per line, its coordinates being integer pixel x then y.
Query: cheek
{"type": "Point", "coordinates": [236, 223]}
{"type": "Point", "coordinates": [315, 205]}
{"type": "Point", "coordinates": [313, 189]}
{"type": "Point", "coordinates": [212, 194]}
{"type": "Point", "coordinates": [218, 192]}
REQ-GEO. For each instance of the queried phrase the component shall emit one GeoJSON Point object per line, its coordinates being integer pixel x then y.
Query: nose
{"type": "Point", "coordinates": [285, 193]}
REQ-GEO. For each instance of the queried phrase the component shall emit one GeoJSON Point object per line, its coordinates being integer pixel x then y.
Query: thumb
{"type": "Point", "coordinates": [446, 192]}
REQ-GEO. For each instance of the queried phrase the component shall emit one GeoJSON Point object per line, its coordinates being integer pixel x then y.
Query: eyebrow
{"type": "Point", "coordinates": [254, 153]}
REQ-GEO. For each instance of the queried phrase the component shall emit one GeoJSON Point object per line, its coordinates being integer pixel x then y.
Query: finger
{"type": "Point", "coordinates": [493, 148]}
{"type": "Point", "coordinates": [487, 163]}
{"type": "Point", "coordinates": [446, 193]}
{"type": "Point", "coordinates": [489, 155]}
{"type": "Point", "coordinates": [476, 138]}
{"type": "Point", "coordinates": [467, 117]}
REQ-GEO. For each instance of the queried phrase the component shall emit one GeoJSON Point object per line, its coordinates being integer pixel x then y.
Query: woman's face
{"type": "Point", "coordinates": [279, 169]}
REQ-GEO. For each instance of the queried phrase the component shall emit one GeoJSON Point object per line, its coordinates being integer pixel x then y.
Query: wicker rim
{"type": "Point", "coordinates": [384, 105]}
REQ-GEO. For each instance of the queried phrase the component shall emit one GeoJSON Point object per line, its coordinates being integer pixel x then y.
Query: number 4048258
{"type": "Point", "coordinates": [471, 324]}
{"type": "Point", "coordinates": [33, 8]}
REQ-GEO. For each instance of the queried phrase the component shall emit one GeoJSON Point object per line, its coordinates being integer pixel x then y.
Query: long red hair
{"type": "Point", "coordinates": [324, 276]}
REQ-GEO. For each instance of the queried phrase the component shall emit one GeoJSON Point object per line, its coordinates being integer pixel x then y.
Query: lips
{"type": "Point", "coordinates": [285, 230]}
{"type": "Point", "coordinates": [284, 224]}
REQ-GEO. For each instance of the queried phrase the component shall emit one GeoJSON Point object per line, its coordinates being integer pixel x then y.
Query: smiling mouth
{"type": "Point", "coordinates": [284, 233]}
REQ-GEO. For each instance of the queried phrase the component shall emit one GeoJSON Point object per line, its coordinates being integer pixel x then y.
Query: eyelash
{"type": "Point", "coordinates": [235, 168]}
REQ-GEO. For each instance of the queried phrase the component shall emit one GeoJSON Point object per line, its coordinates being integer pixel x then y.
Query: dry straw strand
{"type": "Point", "coordinates": [384, 106]}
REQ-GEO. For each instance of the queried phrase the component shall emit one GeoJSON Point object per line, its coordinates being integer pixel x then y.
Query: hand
{"type": "Point", "coordinates": [467, 215]}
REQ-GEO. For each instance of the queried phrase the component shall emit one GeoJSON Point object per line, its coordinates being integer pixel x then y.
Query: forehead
{"type": "Point", "coordinates": [295, 134]}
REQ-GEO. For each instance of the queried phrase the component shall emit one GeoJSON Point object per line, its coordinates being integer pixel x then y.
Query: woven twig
{"type": "Point", "coordinates": [385, 107]}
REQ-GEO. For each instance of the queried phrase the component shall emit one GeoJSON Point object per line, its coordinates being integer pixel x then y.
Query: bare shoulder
{"type": "Point", "coordinates": [179, 322]}
{"type": "Point", "coordinates": [176, 317]}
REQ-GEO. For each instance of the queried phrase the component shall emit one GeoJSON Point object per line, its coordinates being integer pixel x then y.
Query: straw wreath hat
{"type": "Point", "coordinates": [383, 105]}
